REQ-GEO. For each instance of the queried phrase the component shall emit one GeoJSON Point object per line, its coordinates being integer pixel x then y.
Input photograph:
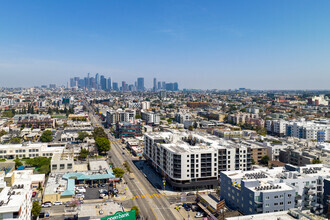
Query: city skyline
{"type": "Point", "coordinates": [201, 45]}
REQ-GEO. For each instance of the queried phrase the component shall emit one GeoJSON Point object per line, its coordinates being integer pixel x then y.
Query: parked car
{"type": "Point", "coordinates": [190, 194]}
{"type": "Point", "coordinates": [80, 189]}
{"type": "Point", "coordinates": [34, 194]}
{"type": "Point", "coordinates": [57, 203]}
{"type": "Point", "coordinates": [199, 215]}
{"type": "Point", "coordinates": [80, 196]}
{"type": "Point", "coordinates": [46, 205]}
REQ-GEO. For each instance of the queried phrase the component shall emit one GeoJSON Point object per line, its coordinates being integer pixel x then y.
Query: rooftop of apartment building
{"type": "Point", "coordinates": [269, 176]}
{"type": "Point", "coordinates": [12, 197]}
{"type": "Point", "coordinates": [183, 141]}
{"type": "Point", "coordinates": [284, 215]}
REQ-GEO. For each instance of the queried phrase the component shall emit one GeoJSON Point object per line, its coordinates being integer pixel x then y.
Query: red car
{"type": "Point", "coordinates": [34, 194]}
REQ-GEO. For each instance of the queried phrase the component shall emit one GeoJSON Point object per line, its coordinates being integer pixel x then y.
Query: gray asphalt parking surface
{"type": "Point", "coordinates": [93, 193]}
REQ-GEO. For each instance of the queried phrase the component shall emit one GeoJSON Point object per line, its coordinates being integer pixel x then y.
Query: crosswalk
{"type": "Point", "coordinates": [148, 196]}
{"type": "Point", "coordinates": [115, 140]}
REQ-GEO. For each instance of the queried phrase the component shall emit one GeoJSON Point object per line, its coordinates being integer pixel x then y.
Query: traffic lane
{"type": "Point", "coordinates": [145, 210]}
{"type": "Point", "coordinates": [117, 149]}
{"type": "Point", "coordinates": [160, 202]}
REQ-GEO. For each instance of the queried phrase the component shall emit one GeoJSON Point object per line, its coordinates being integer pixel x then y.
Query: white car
{"type": "Point", "coordinates": [57, 203]}
{"type": "Point", "coordinates": [80, 189]}
{"type": "Point", "coordinates": [80, 196]}
{"type": "Point", "coordinates": [46, 205]}
{"type": "Point", "coordinates": [199, 215]}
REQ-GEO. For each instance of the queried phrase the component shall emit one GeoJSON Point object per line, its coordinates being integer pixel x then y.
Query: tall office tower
{"type": "Point", "coordinates": [163, 85]}
{"type": "Point", "coordinates": [140, 84]}
{"type": "Point", "coordinates": [115, 86]}
{"type": "Point", "coordinates": [97, 80]}
{"type": "Point", "coordinates": [155, 85]}
{"type": "Point", "coordinates": [81, 83]}
{"type": "Point", "coordinates": [103, 83]}
{"type": "Point", "coordinates": [169, 87]}
{"type": "Point", "coordinates": [71, 82]}
{"type": "Point", "coordinates": [109, 87]}
{"type": "Point", "coordinates": [123, 86]}
{"type": "Point", "coordinates": [159, 87]}
{"type": "Point", "coordinates": [87, 81]}
{"type": "Point", "coordinates": [176, 86]}
{"type": "Point", "coordinates": [93, 83]}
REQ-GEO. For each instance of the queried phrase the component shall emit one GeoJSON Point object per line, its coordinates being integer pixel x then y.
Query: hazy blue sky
{"type": "Point", "coordinates": [259, 44]}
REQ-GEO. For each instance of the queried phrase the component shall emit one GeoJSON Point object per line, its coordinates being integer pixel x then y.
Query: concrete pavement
{"type": "Point", "coordinates": [151, 207]}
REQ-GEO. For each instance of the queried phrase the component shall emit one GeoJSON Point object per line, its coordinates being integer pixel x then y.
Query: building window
{"type": "Point", "coordinates": [289, 202]}
{"type": "Point", "coordinates": [275, 197]}
{"type": "Point", "coordinates": [267, 205]}
{"type": "Point", "coordinates": [62, 166]}
{"type": "Point", "coordinates": [281, 203]}
{"type": "Point", "coordinates": [69, 165]}
{"type": "Point", "coordinates": [289, 195]}
{"type": "Point", "coordinates": [54, 166]}
{"type": "Point", "coordinates": [275, 203]}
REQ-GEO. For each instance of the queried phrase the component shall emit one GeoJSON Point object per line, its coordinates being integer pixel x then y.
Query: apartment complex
{"type": "Point", "coordinates": [119, 115]}
{"type": "Point", "coordinates": [128, 129]}
{"type": "Point", "coordinates": [274, 190]}
{"type": "Point", "coordinates": [15, 197]}
{"type": "Point", "coordinates": [150, 117]}
{"type": "Point", "coordinates": [318, 130]}
{"type": "Point", "coordinates": [11, 151]}
{"type": "Point", "coordinates": [194, 160]}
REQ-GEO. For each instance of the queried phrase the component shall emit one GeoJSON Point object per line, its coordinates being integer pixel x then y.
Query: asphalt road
{"type": "Point", "coordinates": [150, 207]}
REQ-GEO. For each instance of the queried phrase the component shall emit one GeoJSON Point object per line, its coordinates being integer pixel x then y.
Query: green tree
{"type": "Point", "coordinates": [119, 173]}
{"type": "Point", "coordinates": [82, 135]}
{"type": "Point", "coordinates": [264, 160]}
{"type": "Point", "coordinates": [316, 161]}
{"type": "Point", "coordinates": [43, 163]}
{"type": "Point", "coordinates": [102, 144]}
{"type": "Point", "coordinates": [99, 132]}
{"type": "Point", "coordinates": [7, 114]}
{"type": "Point", "coordinates": [127, 166]}
{"type": "Point", "coordinates": [15, 140]}
{"type": "Point", "coordinates": [2, 132]}
{"type": "Point", "coordinates": [136, 210]}
{"type": "Point", "coordinates": [46, 136]}
{"type": "Point", "coordinates": [18, 163]}
{"type": "Point", "coordinates": [83, 153]}
{"type": "Point", "coordinates": [36, 209]}
{"type": "Point", "coordinates": [137, 116]}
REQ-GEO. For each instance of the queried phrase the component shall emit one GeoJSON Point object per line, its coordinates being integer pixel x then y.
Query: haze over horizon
{"type": "Point", "coordinates": [255, 44]}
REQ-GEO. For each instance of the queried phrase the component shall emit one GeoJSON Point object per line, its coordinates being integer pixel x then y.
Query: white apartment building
{"type": "Point", "coordinates": [11, 151]}
{"type": "Point", "coordinates": [312, 130]}
{"type": "Point", "coordinates": [266, 190]}
{"type": "Point", "coordinates": [150, 117]}
{"type": "Point", "coordinates": [276, 127]}
{"type": "Point", "coordinates": [119, 115]}
{"type": "Point", "coordinates": [273, 151]}
{"type": "Point", "coordinates": [193, 160]}
{"type": "Point", "coordinates": [145, 105]}
{"type": "Point", "coordinates": [15, 197]}
{"type": "Point", "coordinates": [181, 117]}
{"type": "Point", "coordinates": [318, 100]}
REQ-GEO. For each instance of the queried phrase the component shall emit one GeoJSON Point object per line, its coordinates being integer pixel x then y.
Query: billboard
{"type": "Point", "coordinates": [130, 215]}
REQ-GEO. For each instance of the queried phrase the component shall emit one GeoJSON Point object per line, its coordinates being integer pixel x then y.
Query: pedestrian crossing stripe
{"type": "Point", "coordinates": [145, 196]}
